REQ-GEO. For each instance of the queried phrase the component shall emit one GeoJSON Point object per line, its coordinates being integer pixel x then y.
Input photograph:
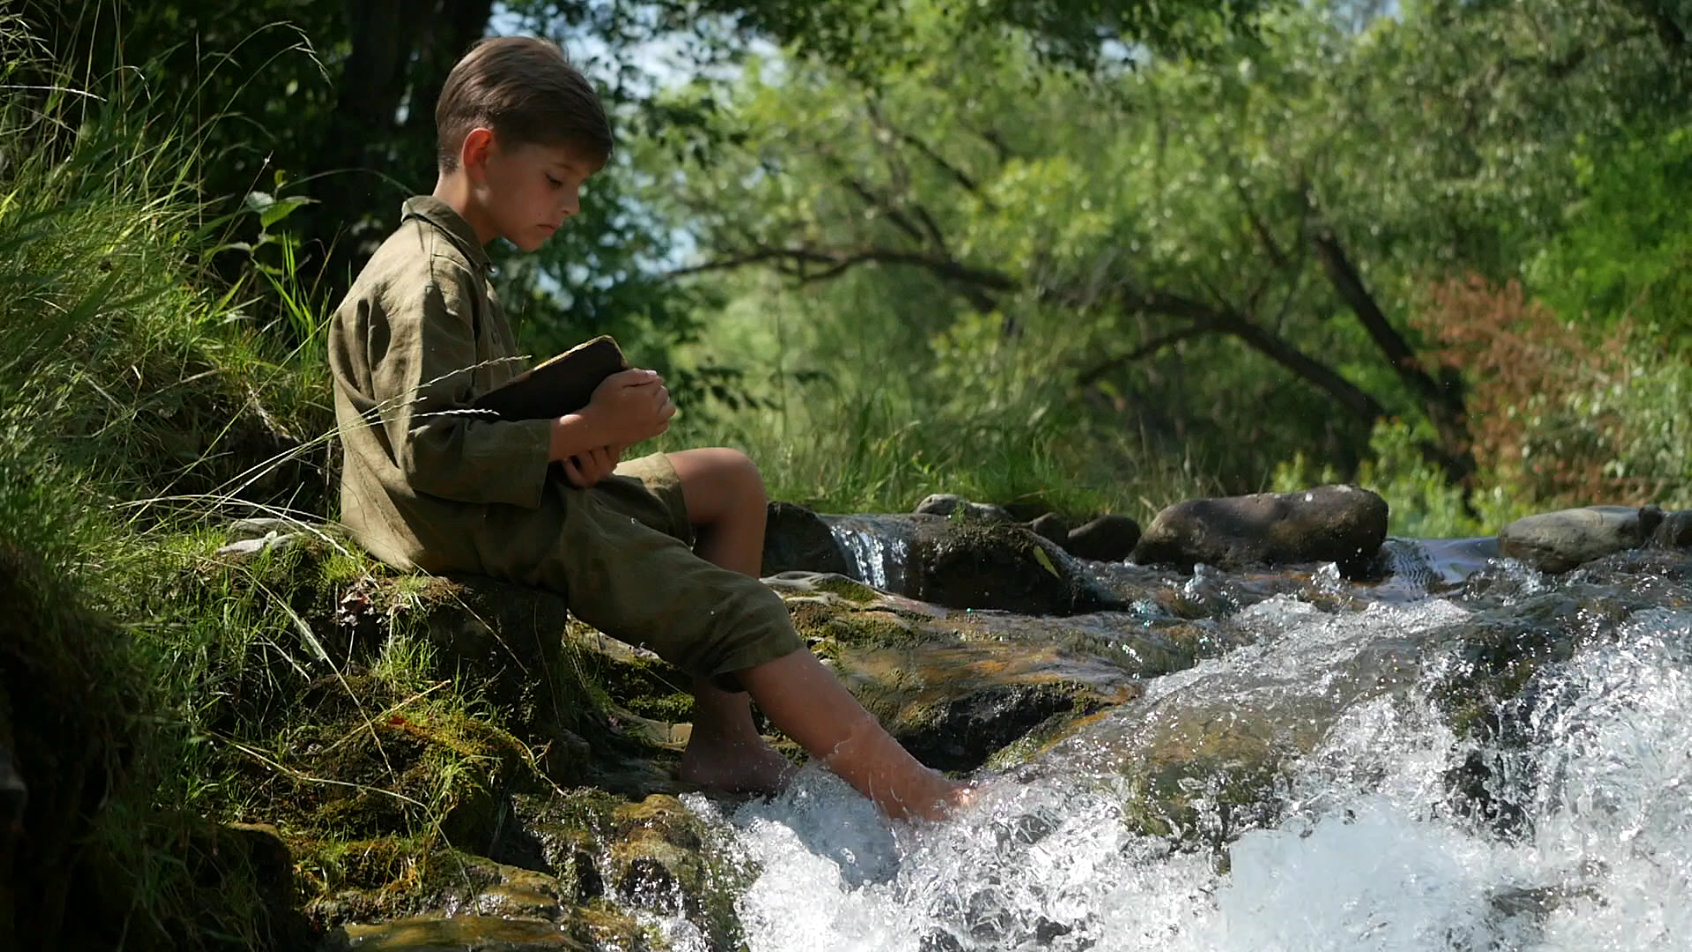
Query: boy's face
{"type": "Point", "coordinates": [526, 192]}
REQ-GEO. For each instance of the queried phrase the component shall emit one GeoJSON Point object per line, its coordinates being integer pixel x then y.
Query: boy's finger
{"type": "Point", "coordinates": [573, 473]}
{"type": "Point", "coordinates": [636, 377]}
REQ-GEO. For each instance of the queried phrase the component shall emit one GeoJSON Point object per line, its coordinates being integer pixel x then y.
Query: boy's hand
{"type": "Point", "coordinates": [632, 406]}
{"type": "Point", "coordinates": [587, 469]}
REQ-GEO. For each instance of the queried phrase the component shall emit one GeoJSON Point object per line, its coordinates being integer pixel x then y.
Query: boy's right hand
{"type": "Point", "coordinates": [632, 406]}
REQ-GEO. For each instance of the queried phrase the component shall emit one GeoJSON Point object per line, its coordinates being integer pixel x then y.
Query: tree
{"type": "Point", "coordinates": [1290, 203]}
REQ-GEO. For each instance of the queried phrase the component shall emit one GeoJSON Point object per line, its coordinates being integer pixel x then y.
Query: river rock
{"type": "Point", "coordinates": [1109, 538]}
{"type": "Point", "coordinates": [1001, 566]}
{"type": "Point", "coordinates": [956, 691]}
{"type": "Point", "coordinates": [797, 539]}
{"type": "Point", "coordinates": [1675, 531]}
{"type": "Point", "coordinates": [1051, 526]}
{"type": "Point", "coordinates": [1341, 524]}
{"type": "Point", "coordinates": [951, 504]}
{"type": "Point", "coordinates": [1559, 541]}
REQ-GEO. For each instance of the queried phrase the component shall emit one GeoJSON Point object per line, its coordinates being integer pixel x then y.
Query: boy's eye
{"type": "Point", "coordinates": [555, 183]}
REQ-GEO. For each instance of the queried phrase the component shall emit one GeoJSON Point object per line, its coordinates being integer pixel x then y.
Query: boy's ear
{"type": "Point", "coordinates": [473, 154]}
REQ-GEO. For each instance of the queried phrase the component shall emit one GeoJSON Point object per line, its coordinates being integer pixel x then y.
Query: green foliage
{"type": "Point", "coordinates": [1626, 250]}
{"type": "Point", "coordinates": [1420, 502]}
{"type": "Point", "coordinates": [1204, 253]}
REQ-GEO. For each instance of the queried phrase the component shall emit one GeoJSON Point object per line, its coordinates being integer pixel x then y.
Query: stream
{"type": "Point", "coordinates": [1576, 835]}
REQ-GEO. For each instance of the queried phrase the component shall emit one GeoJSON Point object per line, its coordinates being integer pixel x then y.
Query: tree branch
{"type": "Point", "coordinates": [838, 262]}
{"type": "Point", "coordinates": [1089, 376]}
{"type": "Point", "coordinates": [1444, 405]}
{"type": "Point", "coordinates": [1266, 342]}
{"type": "Point", "coordinates": [928, 152]}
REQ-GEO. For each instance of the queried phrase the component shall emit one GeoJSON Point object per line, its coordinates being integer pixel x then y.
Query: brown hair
{"type": "Point", "coordinates": [527, 92]}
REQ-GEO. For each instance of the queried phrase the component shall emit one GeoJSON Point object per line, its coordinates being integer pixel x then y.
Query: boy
{"type": "Point", "coordinates": [428, 486]}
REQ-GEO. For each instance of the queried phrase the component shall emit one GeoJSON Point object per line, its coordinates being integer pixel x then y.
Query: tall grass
{"type": "Point", "coordinates": [130, 400]}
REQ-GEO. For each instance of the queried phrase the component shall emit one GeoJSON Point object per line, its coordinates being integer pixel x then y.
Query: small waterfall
{"type": "Point", "coordinates": [877, 547]}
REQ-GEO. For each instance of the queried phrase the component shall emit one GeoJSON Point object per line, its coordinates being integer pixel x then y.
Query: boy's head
{"type": "Point", "coordinates": [523, 129]}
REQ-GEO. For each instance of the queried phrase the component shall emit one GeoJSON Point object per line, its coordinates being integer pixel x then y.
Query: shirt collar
{"type": "Point", "coordinates": [442, 216]}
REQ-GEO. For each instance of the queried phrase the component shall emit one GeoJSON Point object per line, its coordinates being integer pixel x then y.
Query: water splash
{"type": "Point", "coordinates": [1364, 853]}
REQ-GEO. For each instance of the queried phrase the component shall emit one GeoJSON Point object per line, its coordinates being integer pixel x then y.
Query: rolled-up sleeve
{"type": "Point", "coordinates": [423, 363]}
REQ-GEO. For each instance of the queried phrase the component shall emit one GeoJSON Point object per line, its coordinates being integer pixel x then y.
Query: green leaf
{"type": "Point", "coordinates": [1045, 561]}
{"type": "Point", "coordinates": [282, 208]}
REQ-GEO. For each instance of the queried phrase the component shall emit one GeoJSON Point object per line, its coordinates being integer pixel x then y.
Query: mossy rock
{"type": "Point", "coordinates": [998, 566]}
{"type": "Point", "coordinates": [663, 858]}
{"type": "Point", "coordinates": [1205, 781]}
{"type": "Point", "coordinates": [1491, 694]}
{"type": "Point", "coordinates": [953, 701]}
{"type": "Point", "coordinates": [472, 903]}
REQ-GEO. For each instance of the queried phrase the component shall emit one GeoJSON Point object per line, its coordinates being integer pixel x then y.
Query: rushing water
{"type": "Point", "coordinates": [876, 547]}
{"type": "Point", "coordinates": [1362, 847]}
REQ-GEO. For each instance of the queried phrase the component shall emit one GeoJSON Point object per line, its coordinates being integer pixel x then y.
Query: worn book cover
{"type": "Point", "coordinates": [554, 387]}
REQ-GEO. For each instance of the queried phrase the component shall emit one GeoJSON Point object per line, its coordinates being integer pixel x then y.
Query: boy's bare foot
{"type": "Point", "coordinates": [735, 767]}
{"type": "Point", "coordinates": [937, 799]}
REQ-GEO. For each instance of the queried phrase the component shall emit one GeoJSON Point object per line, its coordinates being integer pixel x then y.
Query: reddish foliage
{"type": "Point", "coordinates": [1532, 381]}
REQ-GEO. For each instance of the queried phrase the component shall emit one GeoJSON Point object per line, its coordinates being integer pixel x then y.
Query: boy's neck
{"type": "Point", "coordinates": [453, 188]}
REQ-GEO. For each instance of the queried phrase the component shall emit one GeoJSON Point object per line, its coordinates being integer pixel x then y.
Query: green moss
{"type": "Point", "coordinates": [855, 592]}
{"type": "Point", "coordinates": [1042, 738]}
{"type": "Point", "coordinates": [1202, 786]}
{"type": "Point", "coordinates": [818, 621]}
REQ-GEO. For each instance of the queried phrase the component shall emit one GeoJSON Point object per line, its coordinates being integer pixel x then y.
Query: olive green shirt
{"type": "Point", "coordinates": [417, 336]}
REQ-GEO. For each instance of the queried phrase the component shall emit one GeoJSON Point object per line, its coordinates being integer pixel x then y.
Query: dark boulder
{"type": "Point", "coordinates": [1109, 538]}
{"type": "Point", "coordinates": [797, 539]}
{"type": "Point", "coordinates": [1675, 531]}
{"type": "Point", "coordinates": [999, 566]}
{"type": "Point", "coordinates": [1341, 524]}
{"type": "Point", "coordinates": [1051, 526]}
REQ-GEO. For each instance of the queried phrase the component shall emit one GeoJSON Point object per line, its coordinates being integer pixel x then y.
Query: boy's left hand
{"type": "Point", "coordinates": [587, 469]}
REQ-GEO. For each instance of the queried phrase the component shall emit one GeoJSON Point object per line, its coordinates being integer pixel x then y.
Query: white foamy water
{"type": "Point", "coordinates": [877, 554]}
{"type": "Point", "coordinates": [1367, 852]}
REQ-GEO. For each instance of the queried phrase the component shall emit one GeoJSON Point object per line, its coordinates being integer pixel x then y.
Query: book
{"type": "Point", "coordinates": [556, 386]}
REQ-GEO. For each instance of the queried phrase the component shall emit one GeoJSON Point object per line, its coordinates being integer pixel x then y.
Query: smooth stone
{"type": "Point", "coordinates": [1051, 526]}
{"type": "Point", "coordinates": [1559, 541]}
{"type": "Point", "coordinates": [250, 548]}
{"type": "Point", "coordinates": [1341, 524]}
{"type": "Point", "coordinates": [797, 539]}
{"type": "Point", "coordinates": [1675, 531]}
{"type": "Point", "coordinates": [1109, 538]}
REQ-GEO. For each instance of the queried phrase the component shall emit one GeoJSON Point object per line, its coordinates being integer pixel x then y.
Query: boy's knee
{"type": "Point", "coordinates": [747, 474]}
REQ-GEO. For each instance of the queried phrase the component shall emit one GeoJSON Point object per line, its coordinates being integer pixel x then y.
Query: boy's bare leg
{"type": "Point", "coordinates": [726, 502]}
{"type": "Point", "coordinates": [806, 700]}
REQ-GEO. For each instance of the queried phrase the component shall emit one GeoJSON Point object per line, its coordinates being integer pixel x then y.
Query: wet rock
{"type": "Point", "coordinates": [653, 855]}
{"type": "Point", "coordinates": [1341, 524]}
{"type": "Point", "coordinates": [1050, 526]}
{"type": "Point", "coordinates": [1675, 531]}
{"type": "Point", "coordinates": [664, 859]}
{"type": "Point", "coordinates": [580, 930]}
{"type": "Point", "coordinates": [1209, 761]}
{"type": "Point", "coordinates": [1000, 567]}
{"type": "Point", "coordinates": [1109, 538]}
{"type": "Point", "coordinates": [795, 538]}
{"type": "Point", "coordinates": [1491, 689]}
{"type": "Point", "coordinates": [955, 506]}
{"type": "Point", "coordinates": [1559, 541]}
{"type": "Point", "coordinates": [952, 690]}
